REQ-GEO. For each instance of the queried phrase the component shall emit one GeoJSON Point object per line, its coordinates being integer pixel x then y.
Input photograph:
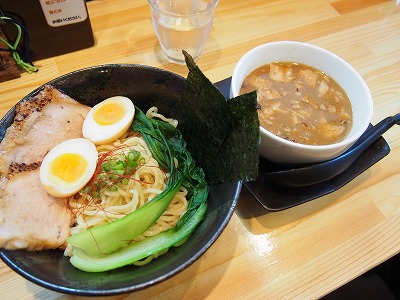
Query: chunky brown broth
{"type": "Point", "coordinates": [300, 103]}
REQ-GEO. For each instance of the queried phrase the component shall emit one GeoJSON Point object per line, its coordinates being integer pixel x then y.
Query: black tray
{"type": "Point", "coordinates": [275, 198]}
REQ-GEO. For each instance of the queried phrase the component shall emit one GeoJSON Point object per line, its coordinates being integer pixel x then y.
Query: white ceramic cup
{"type": "Point", "coordinates": [283, 151]}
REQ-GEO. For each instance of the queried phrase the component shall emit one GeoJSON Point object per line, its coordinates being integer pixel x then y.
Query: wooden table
{"type": "Point", "coordinates": [303, 252]}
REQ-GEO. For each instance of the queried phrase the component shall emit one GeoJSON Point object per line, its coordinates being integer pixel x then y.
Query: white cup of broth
{"type": "Point", "coordinates": [313, 105]}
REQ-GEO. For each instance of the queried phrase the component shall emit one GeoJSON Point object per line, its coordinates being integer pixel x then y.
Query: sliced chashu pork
{"type": "Point", "coordinates": [29, 217]}
{"type": "Point", "coordinates": [41, 123]}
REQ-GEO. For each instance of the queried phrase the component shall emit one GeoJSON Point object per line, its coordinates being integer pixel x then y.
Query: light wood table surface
{"type": "Point", "coordinates": [301, 253]}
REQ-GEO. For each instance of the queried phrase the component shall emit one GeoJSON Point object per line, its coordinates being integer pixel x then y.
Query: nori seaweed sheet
{"type": "Point", "coordinates": [222, 135]}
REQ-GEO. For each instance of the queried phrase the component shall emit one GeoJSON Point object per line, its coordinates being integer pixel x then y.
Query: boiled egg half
{"type": "Point", "coordinates": [68, 167]}
{"type": "Point", "coordinates": [108, 120]}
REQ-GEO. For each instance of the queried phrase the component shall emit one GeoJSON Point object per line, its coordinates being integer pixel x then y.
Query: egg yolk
{"type": "Point", "coordinates": [69, 167]}
{"type": "Point", "coordinates": [109, 113]}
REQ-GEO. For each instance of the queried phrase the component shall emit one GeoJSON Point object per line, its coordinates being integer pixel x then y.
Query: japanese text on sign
{"type": "Point", "coordinates": [63, 12]}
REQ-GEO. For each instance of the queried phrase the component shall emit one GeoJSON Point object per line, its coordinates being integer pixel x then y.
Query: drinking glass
{"type": "Point", "coordinates": [182, 25]}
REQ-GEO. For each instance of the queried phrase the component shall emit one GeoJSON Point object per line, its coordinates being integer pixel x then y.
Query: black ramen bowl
{"type": "Point", "coordinates": [146, 86]}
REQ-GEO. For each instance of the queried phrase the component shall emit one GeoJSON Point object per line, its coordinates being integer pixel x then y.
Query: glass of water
{"type": "Point", "coordinates": [182, 25]}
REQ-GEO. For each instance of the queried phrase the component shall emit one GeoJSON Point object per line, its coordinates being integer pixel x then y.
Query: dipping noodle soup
{"type": "Point", "coordinates": [300, 103]}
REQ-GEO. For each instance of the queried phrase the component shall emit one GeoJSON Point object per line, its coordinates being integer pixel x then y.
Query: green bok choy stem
{"type": "Point", "coordinates": [136, 251]}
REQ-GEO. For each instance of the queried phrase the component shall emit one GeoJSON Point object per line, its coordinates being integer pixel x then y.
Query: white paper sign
{"type": "Point", "coordinates": [63, 12]}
